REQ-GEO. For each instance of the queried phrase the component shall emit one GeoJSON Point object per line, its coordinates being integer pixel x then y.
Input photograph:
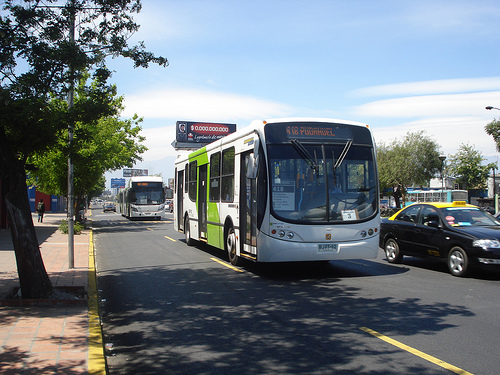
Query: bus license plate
{"type": "Point", "coordinates": [328, 248]}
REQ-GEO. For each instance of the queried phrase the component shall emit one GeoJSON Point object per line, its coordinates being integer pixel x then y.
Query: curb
{"type": "Point", "coordinates": [96, 359]}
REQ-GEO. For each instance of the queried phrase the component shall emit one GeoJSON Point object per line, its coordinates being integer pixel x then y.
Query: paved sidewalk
{"type": "Point", "coordinates": [52, 338]}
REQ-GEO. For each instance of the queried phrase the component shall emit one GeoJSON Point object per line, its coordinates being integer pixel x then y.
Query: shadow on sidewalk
{"type": "Point", "coordinates": [42, 234]}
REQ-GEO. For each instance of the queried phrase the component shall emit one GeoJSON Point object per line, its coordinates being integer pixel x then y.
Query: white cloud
{"type": "Point", "coordinates": [451, 119]}
{"type": "Point", "coordinates": [201, 105]}
{"type": "Point", "coordinates": [431, 105]}
{"type": "Point", "coordinates": [159, 142]}
{"type": "Point", "coordinates": [461, 85]}
{"type": "Point", "coordinates": [448, 132]}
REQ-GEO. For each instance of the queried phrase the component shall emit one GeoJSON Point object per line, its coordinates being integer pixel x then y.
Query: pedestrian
{"type": "Point", "coordinates": [41, 210]}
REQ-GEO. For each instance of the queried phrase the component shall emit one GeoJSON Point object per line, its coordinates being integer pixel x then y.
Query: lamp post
{"type": "Point", "coordinates": [442, 158]}
{"type": "Point", "coordinates": [489, 108]}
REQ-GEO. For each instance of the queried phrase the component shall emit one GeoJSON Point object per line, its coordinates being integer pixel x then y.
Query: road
{"type": "Point", "coordinates": [170, 308]}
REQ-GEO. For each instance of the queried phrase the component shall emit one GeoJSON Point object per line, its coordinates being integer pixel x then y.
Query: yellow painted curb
{"type": "Point", "coordinates": [96, 360]}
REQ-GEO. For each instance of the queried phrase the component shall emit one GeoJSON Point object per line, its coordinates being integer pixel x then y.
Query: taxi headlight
{"type": "Point", "coordinates": [487, 244]}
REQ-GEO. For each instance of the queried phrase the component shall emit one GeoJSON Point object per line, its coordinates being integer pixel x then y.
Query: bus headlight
{"type": "Point", "coordinates": [289, 235]}
{"type": "Point", "coordinates": [281, 233]}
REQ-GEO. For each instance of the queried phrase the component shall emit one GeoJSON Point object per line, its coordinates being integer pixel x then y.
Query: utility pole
{"type": "Point", "coordinates": [71, 205]}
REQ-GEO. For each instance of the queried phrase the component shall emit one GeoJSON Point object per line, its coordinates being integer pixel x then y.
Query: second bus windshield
{"type": "Point", "coordinates": [147, 193]}
{"type": "Point", "coordinates": [322, 183]}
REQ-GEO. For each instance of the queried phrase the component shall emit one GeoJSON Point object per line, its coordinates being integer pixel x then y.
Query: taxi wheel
{"type": "Point", "coordinates": [458, 262]}
{"type": "Point", "coordinates": [392, 252]}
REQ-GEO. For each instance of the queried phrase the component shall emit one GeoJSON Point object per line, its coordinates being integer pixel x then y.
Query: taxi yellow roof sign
{"type": "Point", "coordinates": [459, 203]}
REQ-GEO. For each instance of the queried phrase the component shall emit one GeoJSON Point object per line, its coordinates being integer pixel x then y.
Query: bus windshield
{"type": "Point", "coordinates": [318, 182]}
{"type": "Point", "coordinates": [147, 193]}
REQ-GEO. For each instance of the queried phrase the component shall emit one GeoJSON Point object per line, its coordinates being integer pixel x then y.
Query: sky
{"type": "Point", "coordinates": [398, 66]}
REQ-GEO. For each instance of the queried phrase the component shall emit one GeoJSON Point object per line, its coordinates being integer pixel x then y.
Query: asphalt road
{"type": "Point", "coordinates": [170, 308]}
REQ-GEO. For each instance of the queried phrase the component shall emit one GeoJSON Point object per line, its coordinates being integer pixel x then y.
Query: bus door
{"type": "Point", "coordinates": [202, 201]}
{"type": "Point", "coordinates": [248, 210]}
{"type": "Point", "coordinates": [178, 205]}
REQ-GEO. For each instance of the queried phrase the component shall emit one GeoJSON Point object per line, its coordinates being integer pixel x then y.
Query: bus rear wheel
{"type": "Point", "coordinates": [231, 247]}
{"type": "Point", "coordinates": [187, 233]}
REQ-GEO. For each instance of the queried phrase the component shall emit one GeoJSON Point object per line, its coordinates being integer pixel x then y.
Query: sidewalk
{"type": "Point", "coordinates": [56, 337]}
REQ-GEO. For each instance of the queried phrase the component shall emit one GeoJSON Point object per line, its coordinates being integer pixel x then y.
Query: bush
{"type": "Point", "coordinates": [77, 227]}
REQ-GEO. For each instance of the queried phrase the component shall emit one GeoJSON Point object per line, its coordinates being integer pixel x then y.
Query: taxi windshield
{"type": "Point", "coordinates": [468, 216]}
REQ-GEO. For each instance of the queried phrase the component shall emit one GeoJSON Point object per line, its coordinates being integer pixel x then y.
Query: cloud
{"type": "Point", "coordinates": [448, 132]}
{"type": "Point", "coordinates": [159, 142]}
{"type": "Point", "coordinates": [201, 105]}
{"type": "Point", "coordinates": [462, 85]}
{"type": "Point", "coordinates": [431, 105]}
{"type": "Point", "coordinates": [452, 112]}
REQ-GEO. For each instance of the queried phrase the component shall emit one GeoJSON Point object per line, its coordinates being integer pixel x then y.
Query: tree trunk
{"type": "Point", "coordinates": [33, 277]}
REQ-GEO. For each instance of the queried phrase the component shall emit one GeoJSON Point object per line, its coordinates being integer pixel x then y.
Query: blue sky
{"type": "Point", "coordinates": [398, 66]}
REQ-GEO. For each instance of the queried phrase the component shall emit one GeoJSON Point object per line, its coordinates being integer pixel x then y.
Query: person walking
{"type": "Point", "coordinates": [41, 210]}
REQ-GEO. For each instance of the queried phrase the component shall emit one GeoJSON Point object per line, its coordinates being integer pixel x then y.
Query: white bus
{"type": "Point", "coordinates": [144, 197]}
{"type": "Point", "coordinates": [283, 190]}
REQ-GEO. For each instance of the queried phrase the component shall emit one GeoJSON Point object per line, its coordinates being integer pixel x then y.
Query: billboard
{"type": "Point", "coordinates": [134, 172]}
{"type": "Point", "coordinates": [117, 183]}
{"type": "Point", "coordinates": [201, 132]}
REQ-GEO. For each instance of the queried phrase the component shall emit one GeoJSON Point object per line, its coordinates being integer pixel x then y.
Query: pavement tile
{"type": "Point", "coordinates": [45, 339]}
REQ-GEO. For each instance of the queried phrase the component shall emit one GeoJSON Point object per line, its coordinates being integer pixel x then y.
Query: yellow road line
{"type": "Point", "coordinates": [171, 239]}
{"type": "Point", "coordinates": [225, 264]}
{"type": "Point", "coordinates": [152, 230]}
{"type": "Point", "coordinates": [96, 361]}
{"type": "Point", "coordinates": [416, 352]}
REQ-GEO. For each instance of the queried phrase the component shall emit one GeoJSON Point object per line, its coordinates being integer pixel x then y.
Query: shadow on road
{"type": "Point", "coordinates": [283, 318]}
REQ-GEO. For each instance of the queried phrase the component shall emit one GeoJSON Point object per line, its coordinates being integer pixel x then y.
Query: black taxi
{"type": "Point", "coordinates": [461, 234]}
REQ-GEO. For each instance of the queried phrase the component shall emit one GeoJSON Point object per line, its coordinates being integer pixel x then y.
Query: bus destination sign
{"type": "Point", "coordinates": [314, 132]}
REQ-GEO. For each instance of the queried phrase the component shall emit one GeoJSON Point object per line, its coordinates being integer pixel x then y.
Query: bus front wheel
{"type": "Point", "coordinates": [231, 247]}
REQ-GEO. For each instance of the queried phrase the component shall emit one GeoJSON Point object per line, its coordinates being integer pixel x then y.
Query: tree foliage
{"type": "Point", "coordinates": [43, 52]}
{"type": "Point", "coordinates": [108, 143]}
{"type": "Point", "coordinates": [412, 161]}
{"type": "Point", "coordinates": [466, 166]}
{"type": "Point", "coordinates": [493, 129]}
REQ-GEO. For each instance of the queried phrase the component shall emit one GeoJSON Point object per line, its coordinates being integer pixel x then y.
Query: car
{"type": "Point", "coordinates": [108, 206]}
{"type": "Point", "coordinates": [461, 234]}
{"type": "Point", "coordinates": [169, 205]}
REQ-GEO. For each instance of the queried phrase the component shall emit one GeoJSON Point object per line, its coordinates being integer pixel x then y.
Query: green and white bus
{"type": "Point", "coordinates": [282, 190]}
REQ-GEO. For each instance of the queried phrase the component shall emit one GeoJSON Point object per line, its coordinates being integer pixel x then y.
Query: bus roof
{"type": "Point", "coordinates": [310, 119]}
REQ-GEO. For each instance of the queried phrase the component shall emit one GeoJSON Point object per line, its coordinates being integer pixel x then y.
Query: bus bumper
{"type": "Point", "coordinates": [275, 250]}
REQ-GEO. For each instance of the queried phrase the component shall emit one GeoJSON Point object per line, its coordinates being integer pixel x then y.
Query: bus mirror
{"type": "Point", "coordinates": [251, 167]}
{"type": "Point", "coordinates": [256, 144]}
{"type": "Point", "coordinates": [253, 160]}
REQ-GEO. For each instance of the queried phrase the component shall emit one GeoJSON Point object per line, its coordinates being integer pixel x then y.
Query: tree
{"type": "Point", "coordinates": [493, 129]}
{"type": "Point", "coordinates": [466, 166]}
{"type": "Point", "coordinates": [109, 143]}
{"type": "Point", "coordinates": [412, 161]}
{"type": "Point", "coordinates": [41, 57]}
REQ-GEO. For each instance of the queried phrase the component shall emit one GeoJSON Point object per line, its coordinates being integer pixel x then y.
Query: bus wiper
{"type": "Point", "coordinates": [305, 154]}
{"type": "Point", "coordinates": [342, 155]}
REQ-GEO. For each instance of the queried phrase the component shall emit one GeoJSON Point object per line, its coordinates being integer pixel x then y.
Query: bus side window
{"type": "Point", "coordinates": [227, 178]}
{"type": "Point", "coordinates": [193, 180]}
{"type": "Point", "coordinates": [214, 193]}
